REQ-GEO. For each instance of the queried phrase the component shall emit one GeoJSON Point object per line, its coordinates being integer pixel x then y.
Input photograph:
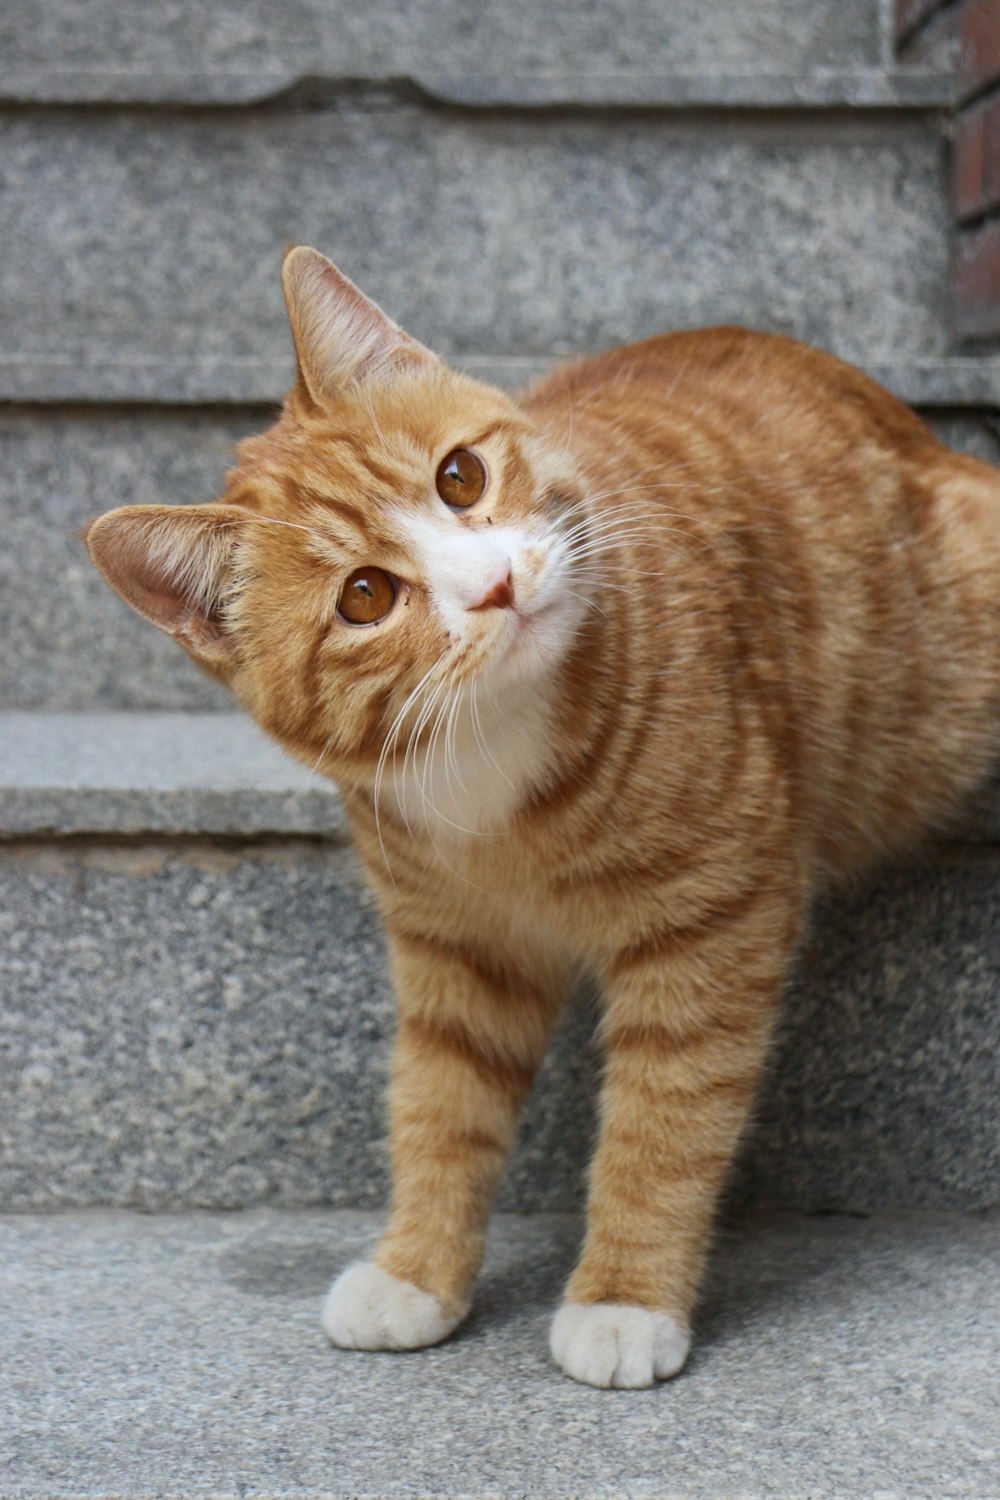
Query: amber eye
{"type": "Point", "coordinates": [461, 478]}
{"type": "Point", "coordinates": [367, 596]}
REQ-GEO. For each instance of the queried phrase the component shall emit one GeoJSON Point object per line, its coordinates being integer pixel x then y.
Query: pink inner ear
{"type": "Point", "coordinates": [169, 564]}
{"type": "Point", "coordinates": [171, 610]}
{"type": "Point", "coordinates": [170, 604]}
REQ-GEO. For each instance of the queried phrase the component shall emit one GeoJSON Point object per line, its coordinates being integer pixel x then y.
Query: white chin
{"type": "Point", "coordinates": [534, 647]}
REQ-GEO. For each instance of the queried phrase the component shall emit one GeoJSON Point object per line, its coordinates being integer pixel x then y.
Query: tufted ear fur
{"type": "Point", "coordinates": [174, 565]}
{"type": "Point", "coordinates": [340, 334]}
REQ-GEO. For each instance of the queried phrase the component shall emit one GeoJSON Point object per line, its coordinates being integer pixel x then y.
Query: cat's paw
{"type": "Point", "coordinates": [366, 1308]}
{"type": "Point", "coordinates": [613, 1344]}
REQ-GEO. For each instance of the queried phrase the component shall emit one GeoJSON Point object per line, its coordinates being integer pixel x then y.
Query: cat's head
{"type": "Point", "coordinates": [400, 527]}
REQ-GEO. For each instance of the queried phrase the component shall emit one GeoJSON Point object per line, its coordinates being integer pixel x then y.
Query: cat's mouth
{"type": "Point", "coordinates": [528, 641]}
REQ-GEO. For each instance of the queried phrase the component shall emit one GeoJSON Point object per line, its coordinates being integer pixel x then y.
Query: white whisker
{"type": "Point", "coordinates": [273, 521]}
{"type": "Point", "coordinates": [389, 749]}
{"type": "Point", "coordinates": [481, 739]}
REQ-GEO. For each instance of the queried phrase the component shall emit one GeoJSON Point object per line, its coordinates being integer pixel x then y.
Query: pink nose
{"type": "Point", "coordinates": [499, 595]}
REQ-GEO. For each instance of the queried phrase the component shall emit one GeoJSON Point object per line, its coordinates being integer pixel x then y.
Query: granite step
{"type": "Point", "coordinates": [565, 232]}
{"type": "Point", "coordinates": [385, 39]}
{"type": "Point", "coordinates": [181, 1356]}
{"type": "Point", "coordinates": [196, 1011]}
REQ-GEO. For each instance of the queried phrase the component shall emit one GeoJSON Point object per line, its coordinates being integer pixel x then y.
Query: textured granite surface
{"type": "Point", "coordinates": [70, 643]}
{"type": "Point", "coordinates": [133, 235]}
{"type": "Point", "coordinates": [978, 434]}
{"type": "Point", "coordinates": [386, 38]}
{"type": "Point", "coordinates": [189, 1025]}
{"type": "Point", "coordinates": [182, 1357]}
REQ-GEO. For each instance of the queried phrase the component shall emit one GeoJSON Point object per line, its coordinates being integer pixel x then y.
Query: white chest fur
{"type": "Point", "coordinates": [479, 759]}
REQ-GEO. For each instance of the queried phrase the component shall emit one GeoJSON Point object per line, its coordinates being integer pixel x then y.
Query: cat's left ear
{"type": "Point", "coordinates": [175, 565]}
{"type": "Point", "coordinates": [340, 334]}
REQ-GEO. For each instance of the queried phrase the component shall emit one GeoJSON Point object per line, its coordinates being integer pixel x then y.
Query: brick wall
{"type": "Point", "coordinates": [977, 171]}
{"type": "Point", "coordinates": [973, 28]}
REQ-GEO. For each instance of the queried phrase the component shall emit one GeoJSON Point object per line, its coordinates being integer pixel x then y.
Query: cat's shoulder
{"type": "Point", "coordinates": [723, 347]}
{"type": "Point", "coordinates": [737, 370]}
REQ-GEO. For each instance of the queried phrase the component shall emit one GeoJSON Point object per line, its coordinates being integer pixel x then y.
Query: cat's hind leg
{"type": "Point", "coordinates": [688, 1020]}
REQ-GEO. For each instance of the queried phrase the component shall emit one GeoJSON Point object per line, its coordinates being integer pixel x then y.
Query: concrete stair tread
{"type": "Point", "coordinates": [181, 1356]}
{"type": "Point", "coordinates": [165, 773]}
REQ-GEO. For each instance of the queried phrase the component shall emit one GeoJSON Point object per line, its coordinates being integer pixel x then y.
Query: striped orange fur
{"type": "Point", "coordinates": [723, 625]}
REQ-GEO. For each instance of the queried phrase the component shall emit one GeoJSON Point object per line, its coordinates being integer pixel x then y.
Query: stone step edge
{"type": "Point", "coordinates": [118, 773]}
{"type": "Point", "coordinates": [54, 378]}
{"type": "Point", "coordinates": [872, 88]}
{"type": "Point", "coordinates": [176, 774]}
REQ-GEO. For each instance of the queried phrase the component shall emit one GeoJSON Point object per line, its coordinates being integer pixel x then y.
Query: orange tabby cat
{"type": "Point", "coordinates": [610, 678]}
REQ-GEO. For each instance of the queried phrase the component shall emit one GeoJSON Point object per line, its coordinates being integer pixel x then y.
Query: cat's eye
{"type": "Point", "coordinates": [367, 596]}
{"type": "Point", "coordinates": [461, 478]}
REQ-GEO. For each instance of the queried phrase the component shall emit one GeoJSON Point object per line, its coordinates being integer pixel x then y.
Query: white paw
{"type": "Point", "coordinates": [613, 1344]}
{"type": "Point", "coordinates": [366, 1308]}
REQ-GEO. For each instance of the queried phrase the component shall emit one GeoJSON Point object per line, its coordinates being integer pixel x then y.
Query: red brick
{"type": "Point", "coordinates": [967, 164]}
{"type": "Point", "coordinates": [977, 283]}
{"type": "Point", "coordinates": [979, 44]}
{"type": "Point", "coordinates": [912, 13]}
{"type": "Point", "coordinates": [976, 165]}
{"type": "Point", "coordinates": [991, 155]}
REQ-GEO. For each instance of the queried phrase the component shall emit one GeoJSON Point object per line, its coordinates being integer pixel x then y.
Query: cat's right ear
{"type": "Point", "coordinates": [174, 565]}
{"type": "Point", "coordinates": [340, 334]}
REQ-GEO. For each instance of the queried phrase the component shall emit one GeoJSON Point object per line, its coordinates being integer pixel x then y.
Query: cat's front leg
{"type": "Point", "coordinates": [689, 1017]}
{"type": "Point", "coordinates": [470, 1037]}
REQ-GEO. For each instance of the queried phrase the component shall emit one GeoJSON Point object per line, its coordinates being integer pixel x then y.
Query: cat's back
{"type": "Point", "coordinates": [765, 391]}
{"type": "Point", "coordinates": [860, 556]}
